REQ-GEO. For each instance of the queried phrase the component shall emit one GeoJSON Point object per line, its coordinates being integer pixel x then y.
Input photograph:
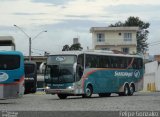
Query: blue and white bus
{"type": "Point", "coordinates": [85, 73]}
{"type": "Point", "coordinates": [11, 74]}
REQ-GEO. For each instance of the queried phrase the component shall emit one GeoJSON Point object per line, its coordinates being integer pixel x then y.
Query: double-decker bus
{"type": "Point", "coordinates": [85, 73]}
{"type": "Point", "coordinates": [30, 69]}
{"type": "Point", "coordinates": [11, 74]}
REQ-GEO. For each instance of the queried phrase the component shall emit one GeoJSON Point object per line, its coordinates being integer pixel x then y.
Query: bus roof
{"type": "Point", "coordinates": [30, 62]}
{"type": "Point", "coordinates": [11, 53]}
{"type": "Point", "coordinates": [94, 52]}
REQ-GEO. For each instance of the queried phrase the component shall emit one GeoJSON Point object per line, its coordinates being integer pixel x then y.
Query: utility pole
{"type": "Point", "coordinates": [30, 39]}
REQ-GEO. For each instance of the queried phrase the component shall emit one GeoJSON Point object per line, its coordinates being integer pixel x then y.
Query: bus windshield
{"type": "Point", "coordinates": [59, 69]}
{"type": "Point", "coordinates": [9, 62]}
{"type": "Point", "coordinates": [29, 69]}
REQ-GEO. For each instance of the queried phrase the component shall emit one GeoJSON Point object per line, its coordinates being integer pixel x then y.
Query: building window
{"type": "Point", "coordinates": [100, 37]}
{"type": "Point", "coordinates": [125, 50]}
{"type": "Point", "coordinates": [105, 49]}
{"type": "Point", "coordinates": [127, 36]}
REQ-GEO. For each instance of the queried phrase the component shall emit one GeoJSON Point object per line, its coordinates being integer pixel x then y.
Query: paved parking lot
{"type": "Point", "coordinates": [140, 101]}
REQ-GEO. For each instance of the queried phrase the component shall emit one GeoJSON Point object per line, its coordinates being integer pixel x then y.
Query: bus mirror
{"type": "Point", "coordinates": [42, 67]}
{"type": "Point", "coordinates": [74, 67]}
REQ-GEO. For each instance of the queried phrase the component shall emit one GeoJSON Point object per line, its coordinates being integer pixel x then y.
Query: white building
{"type": "Point", "coordinates": [115, 38]}
{"type": "Point", "coordinates": [7, 41]}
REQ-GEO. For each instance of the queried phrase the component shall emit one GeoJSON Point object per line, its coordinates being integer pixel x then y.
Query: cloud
{"type": "Point", "coordinates": [29, 13]}
{"type": "Point", "coordinates": [55, 2]}
{"type": "Point", "coordinates": [132, 8]}
{"type": "Point", "coordinates": [66, 19]}
{"type": "Point", "coordinates": [76, 25]}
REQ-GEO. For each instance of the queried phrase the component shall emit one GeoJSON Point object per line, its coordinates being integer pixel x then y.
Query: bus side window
{"type": "Point", "coordinates": [88, 65]}
{"type": "Point", "coordinates": [80, 67]}
{"type": "Point", "coordinates": [92, 61]}
{"type": "Point", "coordinates": [88, 61]}
{"type": "Point", "coordinates": [140, 63]}
{"type": "Point", "coordinates": [115, 62]}
{"type": "Point", "coordinates": [123, 62]}
{"type": "Point", "coordinates": [80, 60]}
{"type": "Point", "coordinates": [136, 64]}
{"type": "Point", "coordinates": [103, 62]}
{"type": "Point", "coordinates": [128, 62]}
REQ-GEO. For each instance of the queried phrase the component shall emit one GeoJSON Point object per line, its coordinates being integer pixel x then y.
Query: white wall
{"type": "Point", "coordinates": [152, 75]}
{"type": "Point", "coordinates": [148, 78]}
{"type": "Point", "coordinates": [151, 67]}
{"type": "Point", "coordinates": [157, 79]}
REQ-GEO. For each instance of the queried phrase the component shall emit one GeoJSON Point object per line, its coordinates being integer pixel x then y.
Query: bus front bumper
{"type": "Point", "coordinates": [60, 91]}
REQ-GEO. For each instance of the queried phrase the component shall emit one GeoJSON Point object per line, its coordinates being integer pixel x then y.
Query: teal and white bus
{"type": "Point", "coordinates": [11, 74]}
{"type": "Point", "coordinates": [72, 73]}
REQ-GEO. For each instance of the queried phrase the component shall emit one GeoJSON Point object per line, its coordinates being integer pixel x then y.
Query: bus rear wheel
{"type": "Point", "coordinates": [62, 96]}
{"type": "Point", "coordinates": [131, 90]}
{"type": "Point", "coordinates": [126, 91]}
{"type": "Point", "coordinates": [104, 94]}
{"type": "Point", "coordinates": [89, 91]}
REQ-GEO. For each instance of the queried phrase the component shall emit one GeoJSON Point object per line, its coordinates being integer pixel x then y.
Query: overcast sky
{"type": "Point", "coordinates": [66, 19]}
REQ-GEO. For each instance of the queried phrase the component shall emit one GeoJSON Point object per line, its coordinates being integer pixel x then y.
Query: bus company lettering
{"type": "Point", "coordinates": [137, 74]}
{"type": "Point", "coordinates": [124, 74]}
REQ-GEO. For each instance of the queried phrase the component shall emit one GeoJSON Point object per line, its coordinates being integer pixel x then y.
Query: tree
{"type": "Point", "coordinates": [117, 24]}
{"type": "Point", "coordinates": [142, 34]}
{"type": "Point", "coordinates": [65, 48]}
{"type": "Point", "coordinates": [76, 46]}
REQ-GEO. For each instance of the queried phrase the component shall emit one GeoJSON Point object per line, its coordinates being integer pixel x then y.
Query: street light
{"type": "Point", "coordinates": [30, 38]}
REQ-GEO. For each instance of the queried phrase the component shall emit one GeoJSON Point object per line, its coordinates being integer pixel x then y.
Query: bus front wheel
{"type": "Point", "coordinates": [89, 91]}
{"type": "Point", "coordinates": [62, 96]}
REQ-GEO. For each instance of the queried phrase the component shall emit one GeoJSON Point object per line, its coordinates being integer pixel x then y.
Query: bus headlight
{"type": "Point", "coordinates": [70, 87]}
{"type": "Point", "coordinates": [47, 87]}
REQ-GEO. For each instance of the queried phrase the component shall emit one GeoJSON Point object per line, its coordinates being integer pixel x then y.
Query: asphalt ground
{"type": "Point", "coordinates": [140, 101]}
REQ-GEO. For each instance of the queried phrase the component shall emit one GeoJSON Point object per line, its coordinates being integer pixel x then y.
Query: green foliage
{"type": "Point", "coordinates": [142, 34]}
{"type": "Point", "coordinates": [65, 48]}
{"type": "Point", "coordinates": [76, 46]}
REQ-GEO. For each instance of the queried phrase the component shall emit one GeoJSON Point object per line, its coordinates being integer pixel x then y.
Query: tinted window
{"type": "Point", "coordinates": [104, 62]}
{"type": "Point", "coordinates": [29, 68]}
{"type": "Point", "coordinates": [137, 63]}
{"type": "Point", "coordinates": [120, 62]}
{"type": "Point", "coordinates": [9, 62]}
{"type": "Point", "coordinates": [92, 61]}
{"type": "Point", "coordinates": [80, 67]}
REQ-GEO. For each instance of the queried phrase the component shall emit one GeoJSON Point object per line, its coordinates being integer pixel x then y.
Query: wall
{"type": "Point", "coordinates": [157, 80]}
{"type": "Point", "coordinates": [152, 77]}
